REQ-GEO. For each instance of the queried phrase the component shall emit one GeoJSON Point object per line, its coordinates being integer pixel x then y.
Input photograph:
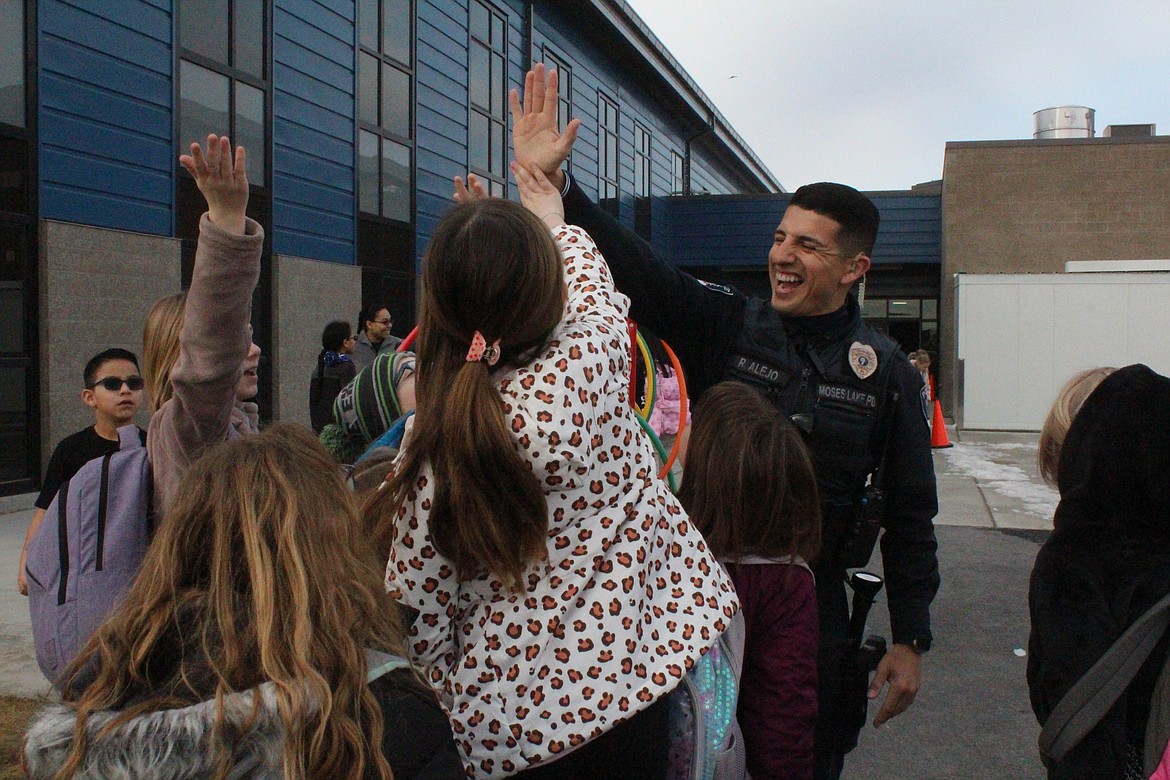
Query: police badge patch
{"type": "Point", "coordinates": [862, 359]}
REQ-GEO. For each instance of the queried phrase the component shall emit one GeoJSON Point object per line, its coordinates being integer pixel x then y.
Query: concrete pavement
{"type": "Point", "coordinates": [971, 719]}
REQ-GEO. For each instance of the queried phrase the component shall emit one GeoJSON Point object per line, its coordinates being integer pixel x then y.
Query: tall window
{"type": "Point", "coordinates": [19, 405]}
{"type": "Point", "coordinates": [223, 79]}
{"type": "Point", "coordinates": [607, 151]}
{"type": "Point", "coordinates": [487, 81]}
{"type": "Point", "coordinates": [386, 148]}
{"type": "Point", "coordinates": [677, 175]}
{"type": "Point", "coordinates": [642, 180]}
{"type": "Point", "coordinates": [385, 120]}
{"type": "Point", "coordinates": [564, 92]}
{"type": "Point", "coordinates": [225, 87]}
{"type": "Point", "coordinates": [12, 54]}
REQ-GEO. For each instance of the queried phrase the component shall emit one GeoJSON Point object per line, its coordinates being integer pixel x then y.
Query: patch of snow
{"type": "Point", "coordinates": [974, 460]}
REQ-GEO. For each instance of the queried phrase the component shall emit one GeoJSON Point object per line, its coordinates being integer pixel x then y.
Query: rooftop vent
{"type": "Point", "coordinates": [1129, 131]}
{"type": "Point", "coordinates": [1064, 122]}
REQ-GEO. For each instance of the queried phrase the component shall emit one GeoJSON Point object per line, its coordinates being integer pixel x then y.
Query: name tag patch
{"type": "Point", "coordinates": [847, 395]}
{"type": "Point", "coordinates": [757, 368]}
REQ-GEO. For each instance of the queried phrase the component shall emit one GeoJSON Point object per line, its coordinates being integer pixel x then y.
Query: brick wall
{"type": "Point", "coordinates": [1031, 206]}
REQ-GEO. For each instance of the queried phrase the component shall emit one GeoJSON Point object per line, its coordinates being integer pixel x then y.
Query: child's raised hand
{"type": "Point", "coordinates": [538, 194]}
{"type": "Point", "coordinates": [473, 190]}
{"type": "Point", "coordinates": [222, 180]}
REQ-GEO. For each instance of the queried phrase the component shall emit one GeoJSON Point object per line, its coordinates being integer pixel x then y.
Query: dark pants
{"type": "Point", "coordinates": [635, 749]}
{"type": "Point", "coordinates": [828, 767]}
{"type": "Point", "coordinates": [833, 738]}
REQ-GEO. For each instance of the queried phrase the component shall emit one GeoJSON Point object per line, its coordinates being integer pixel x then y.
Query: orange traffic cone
{"type": "Point", "coordinates": [938, 429]}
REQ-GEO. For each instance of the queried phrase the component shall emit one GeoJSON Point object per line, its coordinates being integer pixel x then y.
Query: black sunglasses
{"type": "Point", "coordinates": [114, 383]}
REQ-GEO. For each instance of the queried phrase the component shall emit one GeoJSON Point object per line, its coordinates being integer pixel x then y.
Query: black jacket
{"type": "Point", "coordinates": [703, 323]}
{"type": "Point", "coordinates": [1106, 562]}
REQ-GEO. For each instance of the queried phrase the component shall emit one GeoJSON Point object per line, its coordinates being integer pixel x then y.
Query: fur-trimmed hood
{"type": "Point", "coordinates": [165, 744]}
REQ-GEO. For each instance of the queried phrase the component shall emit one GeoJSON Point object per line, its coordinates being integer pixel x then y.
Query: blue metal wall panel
{"type": "Point", "coordinates": [105, 115]}
{"type": "Point", "coordinates": [736, 230]}
{"type": "Point", "coordinates": [441, 119]}
{"type": "Point", "coordinates": [314, 203]}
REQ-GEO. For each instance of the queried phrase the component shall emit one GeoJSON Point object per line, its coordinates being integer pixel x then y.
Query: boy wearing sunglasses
{"type": "Point", "coordinates": [113, 389]}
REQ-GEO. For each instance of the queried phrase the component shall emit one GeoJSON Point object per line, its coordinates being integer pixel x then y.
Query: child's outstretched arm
{"type": "Point", "coordinates": [222, 179]}
{"type": "Point", "coordinates": [472, 190]}
{"type": "Point", "coordinates": [216, 337]}
{"type": "Point", "coordinates": [538, 194]}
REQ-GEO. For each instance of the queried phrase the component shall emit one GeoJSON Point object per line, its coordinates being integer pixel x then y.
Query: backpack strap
{"type": "Point", "coordinates": [1157, 750]}
{"type": "Point", "coordinates": [129, 438]}
{"type": "Point", "coordinates": [1084, 705]}
{"type": "Point", "coordinates": [381, 663]}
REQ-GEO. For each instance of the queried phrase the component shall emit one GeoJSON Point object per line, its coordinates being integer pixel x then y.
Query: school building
{"type": "Point", "coordinates": [356, 114]}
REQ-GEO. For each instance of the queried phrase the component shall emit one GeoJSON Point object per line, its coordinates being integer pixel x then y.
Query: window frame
{"type": "Point", "coordinates": [496, 181]}
{"type": "Point", "coordinates": [677, 173]}
{"type": "Point", "coordinates": [382, 134]}
{"type": "Point", "coordinates": [235, 76]}
{"type": "Point", "coordinates": [564, 92]}
{"type": "Point", "coordinates": [609, 187]}
{"type": "Point", "coordinates": [22, 222]}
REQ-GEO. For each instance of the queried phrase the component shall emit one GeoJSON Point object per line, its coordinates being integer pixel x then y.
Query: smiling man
{"type": "Point", "coordinates": [849, 388]}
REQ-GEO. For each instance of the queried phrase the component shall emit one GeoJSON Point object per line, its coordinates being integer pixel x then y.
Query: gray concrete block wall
{"type": "Point", "coordinates": [96, 286]}
{"type": "Point", "coordinates": [306, 294]}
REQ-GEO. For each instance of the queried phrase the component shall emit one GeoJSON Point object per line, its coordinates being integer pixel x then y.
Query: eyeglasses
{"type": "Point", "coordinates": [387, 323]}
{"type": "Point", "coordinates": [114, 383]}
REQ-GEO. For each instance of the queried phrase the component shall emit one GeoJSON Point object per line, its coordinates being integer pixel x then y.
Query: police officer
{"type": "Point", "coordinates": [853, 392]}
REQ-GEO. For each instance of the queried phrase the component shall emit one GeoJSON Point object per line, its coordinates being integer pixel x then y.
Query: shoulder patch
{"type": "Point", "coordinates": [719, 288]}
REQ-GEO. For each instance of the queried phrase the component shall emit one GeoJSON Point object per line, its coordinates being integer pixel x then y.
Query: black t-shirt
{"type": "Point", "coordinates": [71, 454]}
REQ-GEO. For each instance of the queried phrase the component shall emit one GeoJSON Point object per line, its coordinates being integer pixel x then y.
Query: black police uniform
{"type": "Point", "coordinates": [804, 365]}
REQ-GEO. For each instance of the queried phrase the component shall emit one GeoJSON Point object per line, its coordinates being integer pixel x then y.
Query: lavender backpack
{"type": "Point", "coordinates": [87, 550]}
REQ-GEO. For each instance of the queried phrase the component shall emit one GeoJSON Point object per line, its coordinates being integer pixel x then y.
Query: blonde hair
{"type": "Point", "coordinates": [160, 346]}
{"type": "Point", "coordinates": [261, 566]}
{"type": "Point", "coordinates": [1069, 400]}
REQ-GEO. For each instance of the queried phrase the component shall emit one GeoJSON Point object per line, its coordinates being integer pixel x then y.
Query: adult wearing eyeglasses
{"type": "Point", "coordinates": [113, 390]}
{"type": "Point", "coordinates": [851, 390]}
{"type": "Point", "coordinates": [374, 324]}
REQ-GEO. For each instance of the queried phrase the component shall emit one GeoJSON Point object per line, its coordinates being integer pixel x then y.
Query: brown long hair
{"type": "Point", "coordinates": [491, 267]}
{"type": "Point", "coordinates": [160, 346]}
{"type": "Point", "coordinates": [259, 572]}
{"type": "Point", "coordinates": [749, 484]}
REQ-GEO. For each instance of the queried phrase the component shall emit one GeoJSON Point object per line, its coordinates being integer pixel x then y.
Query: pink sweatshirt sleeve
{"type": "Point", "coordinates": [212, 347]}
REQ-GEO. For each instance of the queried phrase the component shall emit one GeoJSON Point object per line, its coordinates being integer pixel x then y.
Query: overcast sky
{"type": "Point", "coordinates": [869, 92]}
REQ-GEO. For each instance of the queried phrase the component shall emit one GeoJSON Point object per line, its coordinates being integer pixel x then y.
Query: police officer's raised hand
{"type": "Point", "coordinates": [221, 178]}
{"type": "Point", "coordinates": [535, 135]}
{"type": "Point", "coordinates": [901, 669]}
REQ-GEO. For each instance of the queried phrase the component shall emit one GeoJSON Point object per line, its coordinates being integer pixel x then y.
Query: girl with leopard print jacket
{"type": "Point", "coordinates": [561, 590]}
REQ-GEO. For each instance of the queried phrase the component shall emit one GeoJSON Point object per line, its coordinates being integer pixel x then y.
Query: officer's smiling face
{"type": "Point", "coordinates": [807, 272]}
